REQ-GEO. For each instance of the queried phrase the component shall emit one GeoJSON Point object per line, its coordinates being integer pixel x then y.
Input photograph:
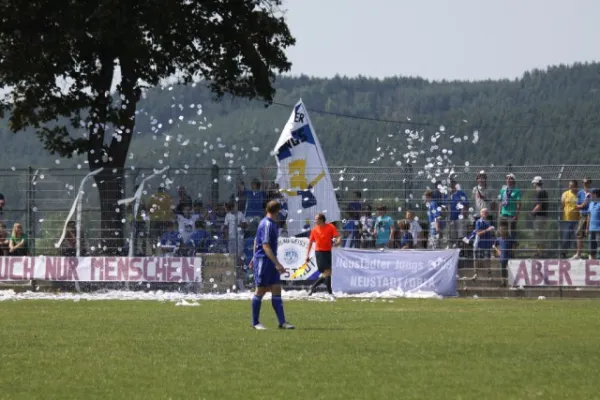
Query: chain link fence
{"type": "Point", "coordinates": [41, 200]}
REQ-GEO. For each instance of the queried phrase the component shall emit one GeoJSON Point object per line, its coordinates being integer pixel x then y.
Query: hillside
{"type": "Point", "coordinates": [546, 117]}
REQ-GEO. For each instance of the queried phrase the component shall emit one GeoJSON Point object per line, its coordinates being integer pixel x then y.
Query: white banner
{"type": "Point", "coordinates": [554, 273]}
{"type": "Point", "coordinates": [291, 253]}
{"type": "Point", "coordinates": [101, 269]}
{"type": "Point", "coordinates": [302, 173]}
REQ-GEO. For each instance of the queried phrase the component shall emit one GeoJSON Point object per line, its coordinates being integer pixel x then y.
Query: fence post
{"type": "Point", "coordinates": [30, 220]}
{"type": "Point", "coordinates": [559, 213]}
{"type": "Point", "coordinates": [214, 193]}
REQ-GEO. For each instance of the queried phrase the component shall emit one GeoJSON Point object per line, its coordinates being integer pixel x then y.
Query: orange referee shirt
{"type": "Point", "coordinates": [322, 236]}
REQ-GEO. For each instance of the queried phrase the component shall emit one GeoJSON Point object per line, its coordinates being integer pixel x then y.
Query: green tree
{"type": "Point", "coordinates": [60, 59]}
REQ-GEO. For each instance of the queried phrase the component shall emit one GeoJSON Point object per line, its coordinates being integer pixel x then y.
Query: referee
{"type": "Point", "coordinates": [323, 235]}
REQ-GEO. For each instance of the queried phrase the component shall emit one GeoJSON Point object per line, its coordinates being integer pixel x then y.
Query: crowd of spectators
{"type": "Point", "coordinates": [484, 221]}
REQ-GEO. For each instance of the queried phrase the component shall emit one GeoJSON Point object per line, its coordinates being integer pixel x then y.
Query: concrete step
{"type": "Point", "coordinates": [481, 280]}
{"type": "Point", "coordinates": [532, 293]}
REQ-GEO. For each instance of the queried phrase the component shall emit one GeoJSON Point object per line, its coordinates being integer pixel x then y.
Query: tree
{"type": "Point", "coordinates": [60, 58]}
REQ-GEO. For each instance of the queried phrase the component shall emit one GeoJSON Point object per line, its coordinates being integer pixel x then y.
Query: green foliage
{"type": "Point", "coordinates": [60, 61]}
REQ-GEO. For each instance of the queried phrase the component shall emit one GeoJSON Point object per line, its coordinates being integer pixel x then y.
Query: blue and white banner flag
{"type": "Point", "coordinates": [408, 272]}
{"type": "Point", "coordinates": [302, 173]}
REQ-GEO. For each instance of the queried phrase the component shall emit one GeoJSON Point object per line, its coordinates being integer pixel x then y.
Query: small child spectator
{"type": "Point", "coordinates": [18, 245]}
{"type": "Point", "coordinates": [199, 239]}
{"type": "Point", "coordinates": [415, 229]}
{"type": "Point", "coordinates": [484, 240]}
{"type": "Point", "coordinates": [3, 240]}
{"type": "Point", "coordinates": [406, 238]}
{"type": "Point", "coordinates": [504, 248]}
{"type": "Point", "coordinates": [69, 245]}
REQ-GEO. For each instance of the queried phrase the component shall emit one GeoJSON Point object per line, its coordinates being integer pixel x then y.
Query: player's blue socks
{"type": "Point", "coordinates": [256, 303]}
{"type": "Point", "coordinates": [278, 307]}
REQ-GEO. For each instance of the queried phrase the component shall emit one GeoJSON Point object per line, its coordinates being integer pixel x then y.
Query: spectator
{"type": "Point", "coordinates": [69, 245]}
{"type": "Point", "coordinates": [406, 239]}
{"type": "Point", "coordinates": [485, 236]}
{"type": "Point", "coordinates": [160, 213]}
{"type": "Point", "coordinates": [3, 240]}
{"type": "Point", "coordinates": [2, 202]}
{"type": "Point", "coordinates": [570, 218]}
{"type": "Point", "coordinates": [199, 239]}
{"type": "Point", "coordinates": [510, 204]}
{"type": "Point", "coordinates": [255, 200]}
{"type": "Point", "coordinates": [186, 221]}
{"type": "Point", "coordinates": [355, 206]}
{"type": "Point", "coordinates": [459, 212]}
{"type": "Point", "coordinates": [415, 229]}
{"type": "Point", "coordinates": [594, 223]}
{"type": "Point", "coordinates": [350, 230]}
{"type": "Point", "coordinates": [436, 222]}
{"type": "Point", "coordinates": [235, 224]}
{"type": "Point", "coordinates": [17, 245]}
{"type": "Point", "coordinates": [139, 224]}
{"type": "Point", "coordinates": [481, 195]}
{"type": "Point", "coordinates": [539, 214]}
{"type": "Point", "coordinates": [504, 247]}
{"type": "Point", "coordinates": [583, 203]}
{"type": "Point", "coordinates": [184, 200]}
{"type": "Point", "coordinates": [384, 229]}
{"type": "Point", "coordinates": [367, 228]}
{"type": "Point", "coordinates": [170, 240]}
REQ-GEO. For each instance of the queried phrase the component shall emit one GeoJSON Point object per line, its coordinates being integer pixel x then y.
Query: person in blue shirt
{"type": "Point", "coordinates": [584, 197]}
{"type": "Point", "coordinates": [406, 241]}
{"type": "Point", "coordinates": [504, 247]}
{"type": "Point", "coordinates": [350, 230]}
{"type": "Point", "coordinates": [255, 199]}
{"type": "Point", "coordinates": [199, 239]}
{"type": "Point", "coordinates": [170, 240]}
{"type": "Point", "coordinates": [485, 236]}
{"type": "Point", "coordinates": [436, 222]}
{"type": "Point", "coordinates": [593, 223]}
{"type": "Point", "coordinates": [384, 229]}
{"type": "Point", "coordinates": [267, 268]}
{"type": "Point", "coordinates": [459, 212]}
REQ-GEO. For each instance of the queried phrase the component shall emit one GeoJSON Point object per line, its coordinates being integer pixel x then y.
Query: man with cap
{"type": "Point", "coordinates": [510, 204]}
{"type": "Point", "coordinates": [539, 215]}
{"type": "Point", "coordinates": [584, 197]}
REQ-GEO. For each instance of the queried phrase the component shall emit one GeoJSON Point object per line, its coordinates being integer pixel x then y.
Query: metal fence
{"type": "Point", "coordinates": [41, 200]}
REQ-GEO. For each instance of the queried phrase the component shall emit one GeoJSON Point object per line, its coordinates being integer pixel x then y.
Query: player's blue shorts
{"type": "Point", "coordinates": [265, 273]}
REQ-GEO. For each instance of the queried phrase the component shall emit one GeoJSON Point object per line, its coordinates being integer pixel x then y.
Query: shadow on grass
{"type": "Point", "coordinates": [316, 328]}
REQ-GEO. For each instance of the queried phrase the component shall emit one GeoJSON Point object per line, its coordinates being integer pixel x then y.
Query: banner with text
{"type": "Point", "coordinates": [366, 271]}
{"type": "Point", "coordinates": [291, 253]}
{"type": "Point", "coordinates": [101, 269]}
{"type": "Point", "coordinates": [554, 272]}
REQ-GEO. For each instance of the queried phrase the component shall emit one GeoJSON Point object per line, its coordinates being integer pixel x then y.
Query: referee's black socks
{"type": "Point", "coordinates": [328, 283]}
{"type": "Point", "coordinates": [316, 284]}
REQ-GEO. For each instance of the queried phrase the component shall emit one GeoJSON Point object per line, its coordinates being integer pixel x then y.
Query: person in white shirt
{"type": "Point", "coordinates": [415, 229]}
{"type": "Point", "coordinates": [235, 223]}
{"type": "Point", "coordinates": [186, 223]}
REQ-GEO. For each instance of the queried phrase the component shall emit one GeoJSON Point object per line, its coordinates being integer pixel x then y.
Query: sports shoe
{"type": "Point", "coordinates": [575, 257]}
{"type": "Point", "coordinates": [286, 325]}
{"type": "Point", "coordinates": [259, 327]}
{"type": "Point", "coordinates": [331, 297]}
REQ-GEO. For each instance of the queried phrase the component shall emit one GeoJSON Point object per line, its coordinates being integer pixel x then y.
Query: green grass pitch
{"type": "Point", "coordinates": [405, 349]}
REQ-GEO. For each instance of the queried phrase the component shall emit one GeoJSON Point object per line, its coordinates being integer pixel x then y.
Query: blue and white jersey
{"type": "Point", "coordinates": [267, 232]}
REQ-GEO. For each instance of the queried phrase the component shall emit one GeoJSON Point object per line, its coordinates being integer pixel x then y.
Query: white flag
{"type": "Point", "coordinates": [302, 173]}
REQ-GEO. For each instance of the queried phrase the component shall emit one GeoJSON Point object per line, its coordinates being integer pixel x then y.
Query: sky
{"type": "Point", "coordinates": [440, 39]}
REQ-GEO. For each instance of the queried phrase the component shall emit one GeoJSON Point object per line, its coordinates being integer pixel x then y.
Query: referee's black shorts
{"type": "Point", "coordinates": [323, 260]}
